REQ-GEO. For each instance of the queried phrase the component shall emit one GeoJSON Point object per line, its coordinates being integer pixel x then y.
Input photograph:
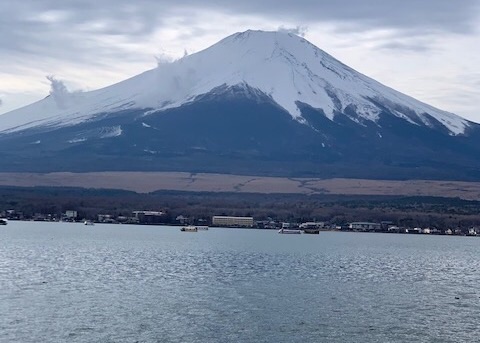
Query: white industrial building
{"type": "Point", "coordinates": [365, 226]}
{"type": "Point", "coordinates": [232, 221]}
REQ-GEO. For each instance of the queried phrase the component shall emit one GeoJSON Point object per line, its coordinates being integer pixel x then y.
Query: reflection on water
{"type": "Point", "coordinates": [117, 283]}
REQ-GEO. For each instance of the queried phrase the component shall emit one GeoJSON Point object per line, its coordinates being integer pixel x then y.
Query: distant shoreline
{"type": "Point", "coordinates": [189, 207]}
{"type": "Point", "coordinates": [176, 226]}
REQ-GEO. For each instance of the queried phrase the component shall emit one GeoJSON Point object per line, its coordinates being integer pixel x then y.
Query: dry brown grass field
{"type": "Point", "coordinates": [145, 182]}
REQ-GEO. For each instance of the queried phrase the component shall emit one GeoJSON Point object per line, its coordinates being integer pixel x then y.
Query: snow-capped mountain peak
{"type": "Point", "coordinates": [285, 67]}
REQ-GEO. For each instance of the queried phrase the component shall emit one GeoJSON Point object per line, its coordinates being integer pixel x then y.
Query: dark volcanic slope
{"type": "Point", "coordinates": [240, 130]}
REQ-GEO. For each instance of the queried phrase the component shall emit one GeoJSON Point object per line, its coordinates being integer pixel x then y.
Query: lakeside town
{"type": "Point", "coordinates": [145, 217]}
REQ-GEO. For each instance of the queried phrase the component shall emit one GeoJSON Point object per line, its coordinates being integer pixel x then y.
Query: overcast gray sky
{"type": "Point", "coordinates": [428, 49]}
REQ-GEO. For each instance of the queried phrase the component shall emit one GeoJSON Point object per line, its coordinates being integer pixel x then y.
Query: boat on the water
{"type": "Point", "coordinates": [189, 228]}
{"type": "Point", "coordinates": [290, 231]}
{"type": "Point", "coordinates": [88, 222]}
{"type": "Point", "coordinates": [3, 221]}
{"type": "Point", "coordinates": [311, 231]}
{"type": "Point", "coordinates": [194, 228]}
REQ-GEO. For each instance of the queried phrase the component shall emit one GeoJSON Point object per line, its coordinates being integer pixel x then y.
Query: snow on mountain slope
{"type": "Point", "coordinates": [284, 66]}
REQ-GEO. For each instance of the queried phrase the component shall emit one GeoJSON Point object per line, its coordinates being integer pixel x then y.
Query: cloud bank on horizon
{"type": "Point", "coordinates": [425, 49]}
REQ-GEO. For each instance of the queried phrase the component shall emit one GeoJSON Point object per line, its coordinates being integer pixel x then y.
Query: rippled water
{"type": "Point", "coordinates": [118, 283]}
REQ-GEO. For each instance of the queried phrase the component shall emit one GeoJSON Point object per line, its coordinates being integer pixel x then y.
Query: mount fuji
{"type": "Point", "coordinates": [256, 103]}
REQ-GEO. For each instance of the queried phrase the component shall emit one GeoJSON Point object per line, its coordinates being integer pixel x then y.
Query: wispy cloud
{"type": "Point", "coordinates": [297, 30]}
{"type": "Point", "coordinates": [58, 91]}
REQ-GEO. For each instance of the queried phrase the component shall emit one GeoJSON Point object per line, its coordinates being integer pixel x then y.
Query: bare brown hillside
{"type": "Point", "coordinates": [145, 182]}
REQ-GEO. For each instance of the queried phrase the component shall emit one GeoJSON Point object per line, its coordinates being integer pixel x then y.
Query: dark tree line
{"type": "Point", "coordinates": [401, 211]}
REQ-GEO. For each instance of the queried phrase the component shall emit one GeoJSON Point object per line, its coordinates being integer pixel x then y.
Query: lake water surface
{"type": "Point", "coordinates": [63, 282]}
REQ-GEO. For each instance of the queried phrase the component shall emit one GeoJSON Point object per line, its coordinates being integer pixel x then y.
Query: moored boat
{"type": "Point", "coordinates": [311, 231]}
{"type": "Point", "coordinates": [3, 221]}
{"type": "Point", "coordinates": [189, 228]}
{"type": "Point", "coordinates": [88, 222]}
{"type": "Point", "coordinates": [290, 231]}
